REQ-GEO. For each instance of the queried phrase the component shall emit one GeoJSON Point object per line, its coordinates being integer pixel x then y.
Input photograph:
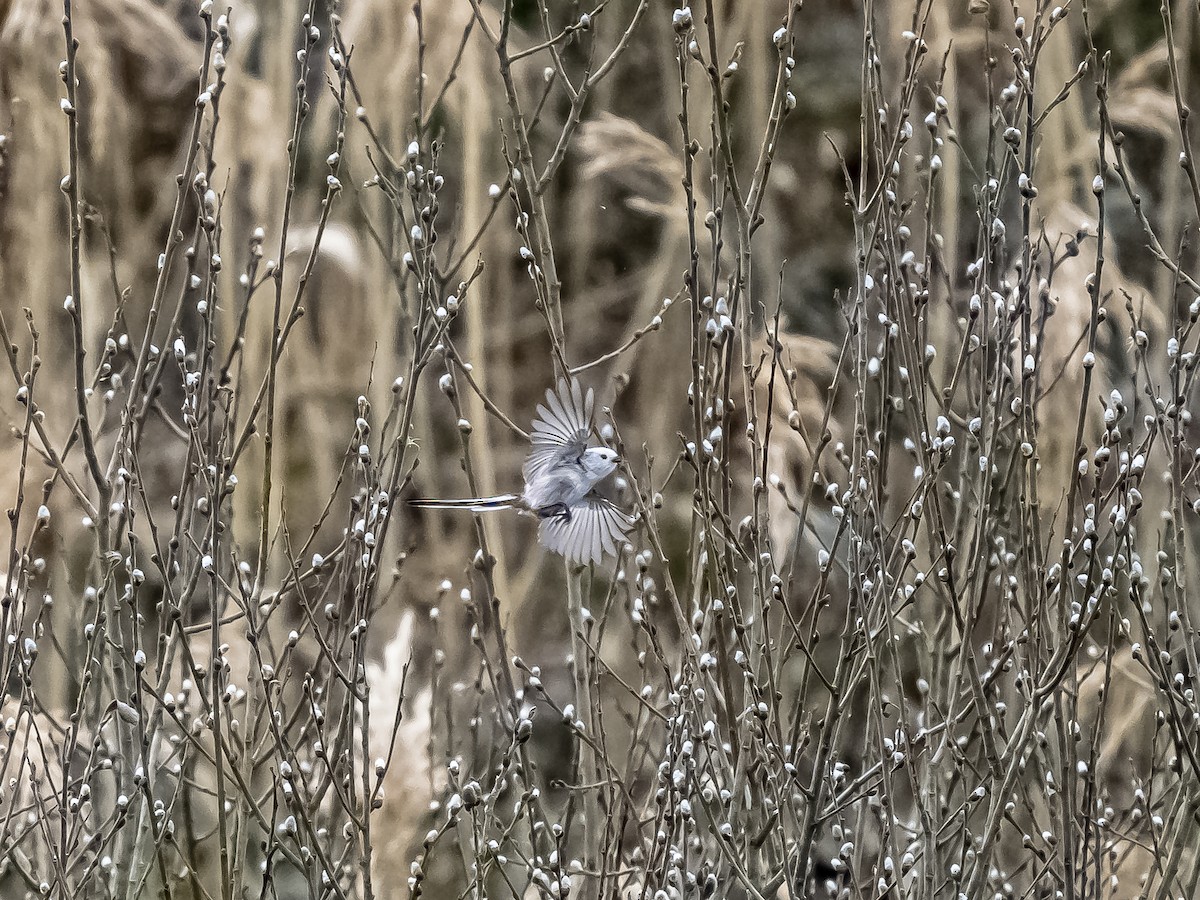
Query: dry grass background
{"type": "Point", "coordinates": [841, 657]}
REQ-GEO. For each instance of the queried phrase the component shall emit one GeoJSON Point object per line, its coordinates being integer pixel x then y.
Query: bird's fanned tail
{"type": "Point", "coordinates": [473, 504]}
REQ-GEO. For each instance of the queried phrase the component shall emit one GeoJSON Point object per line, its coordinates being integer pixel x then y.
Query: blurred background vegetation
{"type": "Point", "coordinates": [426, 76]}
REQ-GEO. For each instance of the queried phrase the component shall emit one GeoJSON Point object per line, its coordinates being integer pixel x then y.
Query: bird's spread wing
{"type": "Point", "coordinates": [594, 528]}
{"type": "Point", "coordinates": [561, 430]}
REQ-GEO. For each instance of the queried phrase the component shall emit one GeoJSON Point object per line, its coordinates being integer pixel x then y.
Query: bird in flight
{"type": "Point", "coordinates": [561, 474]}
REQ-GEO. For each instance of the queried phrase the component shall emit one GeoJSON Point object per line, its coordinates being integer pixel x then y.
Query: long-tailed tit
{"type": "Point", "coordinates": [561, 474]}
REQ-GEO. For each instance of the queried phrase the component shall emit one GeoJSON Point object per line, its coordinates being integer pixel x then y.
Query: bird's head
{"type": "Point", "coordinates": [601, 461]}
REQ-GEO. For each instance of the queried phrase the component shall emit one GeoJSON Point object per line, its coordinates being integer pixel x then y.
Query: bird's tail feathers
{"type": "Point", "coordinates": [473, 504]}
